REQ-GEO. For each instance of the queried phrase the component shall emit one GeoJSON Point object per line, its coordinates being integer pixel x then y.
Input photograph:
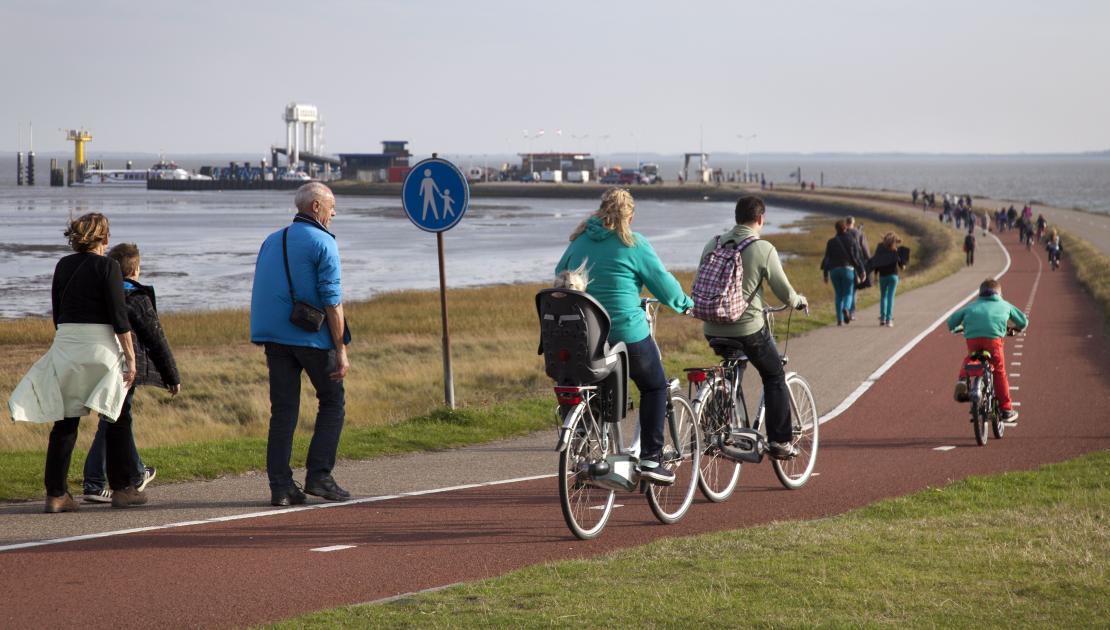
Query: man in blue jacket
{"type": "Point", "coordinates": [314, 278]}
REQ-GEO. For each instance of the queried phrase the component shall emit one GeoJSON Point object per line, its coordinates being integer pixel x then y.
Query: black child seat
{"type": "Point", "coordinates": [574, 332]}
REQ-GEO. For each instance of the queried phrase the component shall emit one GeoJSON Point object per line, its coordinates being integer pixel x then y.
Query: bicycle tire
{"type": "Point", "coordinates": [795, 472]}
{"type": "Point", "coordinates": [682, 453]}
{"type": "Point", "coordinates": [717, 476]}
{"type": "Point", "coordinates": [586, 508]}
{"type": "Point", "coordinates": [998, 427]}
{"type": "Point", "coordinates": [978, 416]}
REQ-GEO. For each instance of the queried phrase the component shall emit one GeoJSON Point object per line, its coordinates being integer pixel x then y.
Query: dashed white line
{"type": "Point", "coordinates": [1014, 388]}
{"type": "Point", "coordinates": [944, 448]}
{"type": "Point", "coordinates": [1015, 375]}
{"type": "Point", "coordinates": [1015, 363]}
{"type": "Point", "coordinates": [333, 548]}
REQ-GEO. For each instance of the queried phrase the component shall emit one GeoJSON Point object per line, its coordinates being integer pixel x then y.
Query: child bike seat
{"type": "Point", "coordinates": [574, 331]}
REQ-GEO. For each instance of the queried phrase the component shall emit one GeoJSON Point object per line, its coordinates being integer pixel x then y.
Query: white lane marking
{"type": "Point", "coordinates": [602, 507]}
{"type": "Point", "coordinates": [1017, 354]}
{"type": "Point", "coordinates": [1015, 363]}
{"type": "Point", "coordinates": [1015, 375]}
{"type": "Point", "coordinates": [273, 512]}
{"type": "Point", "coordinates": [944, 448]}
{"type": "Point", "coordinates": [1016, 404]}
{"type": "Point", "coordinates": [877, 374]}
{"type": "Point", "coordinates": [333, 548]}
{"type": "Point", "coordinates": [1014, 388]}
{"type": "Point", "coordinates": [816, 474]}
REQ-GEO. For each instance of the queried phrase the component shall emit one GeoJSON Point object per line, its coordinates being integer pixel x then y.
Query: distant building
{"type": "Point", "coordinates": [391, 165]}
{"type": "Point", "coordinates": [573, 167]}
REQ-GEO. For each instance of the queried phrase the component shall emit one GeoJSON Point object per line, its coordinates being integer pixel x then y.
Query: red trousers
{"type": "Point", "coordinates": [998, 366]}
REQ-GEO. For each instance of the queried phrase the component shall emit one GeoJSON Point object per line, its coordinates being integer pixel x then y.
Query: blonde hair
{"type": "Point", "coordinates": [87, 232]}
{"type": "Point", "coordinates": [615, 213]}
{"type": "Point", "coordinates": [574, 279]}
{"type": "Point", "coordinates": [891, 240]}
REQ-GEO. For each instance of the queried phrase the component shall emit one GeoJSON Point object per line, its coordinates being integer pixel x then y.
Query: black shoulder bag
{"type": "Point", "coordinates": [304, 315]}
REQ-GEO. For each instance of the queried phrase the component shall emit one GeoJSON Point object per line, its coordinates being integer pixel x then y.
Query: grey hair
{"type": "Point", "coordinates": [312, 191]}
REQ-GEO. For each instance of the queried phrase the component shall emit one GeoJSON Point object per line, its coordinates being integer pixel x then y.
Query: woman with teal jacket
{"type": "Point", "coordinates": [620, 264]}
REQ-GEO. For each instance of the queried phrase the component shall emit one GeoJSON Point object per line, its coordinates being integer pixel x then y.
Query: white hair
{"type": "Point", "coordinates": [312, 191]}
{"type": "Point", "coordinates": [574, 279]}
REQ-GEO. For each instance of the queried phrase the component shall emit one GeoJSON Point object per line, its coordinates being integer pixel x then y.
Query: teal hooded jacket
{"type": "Point", "coordinates": [986, 317]}
{"type": "Point", "coordinates": [618, 273]}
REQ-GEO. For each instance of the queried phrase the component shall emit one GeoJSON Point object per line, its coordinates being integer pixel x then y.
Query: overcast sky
{"type": "Point", "coordinates": [470, 77]}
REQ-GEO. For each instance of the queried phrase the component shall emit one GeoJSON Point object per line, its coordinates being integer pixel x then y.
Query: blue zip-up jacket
{"type": "Point", "coordinates": [987, 317]}
{"type": "Point", "coordinates": [315, 270]}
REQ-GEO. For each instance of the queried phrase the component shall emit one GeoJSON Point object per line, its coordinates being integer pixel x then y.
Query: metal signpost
{"type": "Point", "coordinates": [435, 196]}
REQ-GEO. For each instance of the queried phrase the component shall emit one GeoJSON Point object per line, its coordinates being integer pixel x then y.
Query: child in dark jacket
{"type": "Point", "coordinates": [154, 365]}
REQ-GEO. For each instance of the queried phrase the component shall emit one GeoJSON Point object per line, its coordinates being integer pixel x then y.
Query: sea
{"type": "Point", "coordinates": [198, 248]}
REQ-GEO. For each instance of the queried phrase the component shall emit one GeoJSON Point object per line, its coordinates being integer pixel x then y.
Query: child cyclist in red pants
{"type": "Point", "coordinates": [984, 322]}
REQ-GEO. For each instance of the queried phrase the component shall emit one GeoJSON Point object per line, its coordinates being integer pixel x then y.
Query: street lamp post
{"type": "Point", "coordinates": [748, 154]}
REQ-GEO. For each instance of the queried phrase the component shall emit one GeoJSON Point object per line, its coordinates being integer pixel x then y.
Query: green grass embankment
{"type": "Point", "coordinates": [1017, 550]}
{"type": "Point", "coordinates": [1092, 268]}
{"type": "Point", "coordinates": [217, 425]}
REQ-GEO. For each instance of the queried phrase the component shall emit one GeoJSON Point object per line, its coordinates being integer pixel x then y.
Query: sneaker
{"type": "Point", "coordinates": [656, 473]}
{"type": "Point", "coordinates": [128, 497]}
{"type": "Point", "coordinates": [890, 323]}
{"type": "Point", "coordinates": [326, 488]}
{"type": "Point", "coordinates": [149, 473]}
{"type": "Point", "coordinates": [782, 450]}
{"type": "Point", "coordinates": [847, 316]}
{"type": "Point", "coordinates": [961, 391]}
{"type": "Point", "coordinates": [1009, 416]}
{"type": "Point", "coordinates": [287, 495]}
{"type": "Point", "coordinates": [99, 496]}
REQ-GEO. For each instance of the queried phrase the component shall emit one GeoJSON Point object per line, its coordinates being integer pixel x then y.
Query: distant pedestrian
{"type": "Point", "coordinates": [887, 263]}
{"type": "Point", "coordinates": [856, 232]}
{"type": "Point", "coordinates": [915, 196]}
{"type": "Point", "coordinates": [969, 248]}
{"type": "Point", "coordinates": [843, 263]}
{"type": "Point", "coordinates": [84, 370]}
{"type": "Point", "coordinates": [308, 290]}
{"type": "Point", "coordinates": [154, 365]}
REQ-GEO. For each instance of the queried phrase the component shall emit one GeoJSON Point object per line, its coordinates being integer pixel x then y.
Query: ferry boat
{"type": "Point", "coordinates": [135, 177]}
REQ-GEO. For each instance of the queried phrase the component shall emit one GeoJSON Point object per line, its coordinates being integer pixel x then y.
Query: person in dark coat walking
{"type": "Point", "coordinates": [843, 263]}
{"type": "Point", "coordinates": [154, 366]}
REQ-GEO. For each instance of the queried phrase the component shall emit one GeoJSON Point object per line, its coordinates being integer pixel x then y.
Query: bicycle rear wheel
{"type": "Point", "coordinates": [978, 412]}
{"type": "Point", "coordinates": [717, 476]}
{"type": "Point", "coordinates": [795, 472]}
{"type": "Point", "coordinates": [998, 427]}
{"type": "Point", "coordinates": [586, 508]}
{"type": "Point", "coordinates": [682, 454]}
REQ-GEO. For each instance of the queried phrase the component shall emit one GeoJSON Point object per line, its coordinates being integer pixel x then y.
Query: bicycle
{"type": "Point", "coordinates": [1053, 257]}
{"type": "Point", "coordinates": [591, 389]}
{"type": "Point", "coordinates": [981, 394]}
{"type": "Point", "coordinates": [731, 437]}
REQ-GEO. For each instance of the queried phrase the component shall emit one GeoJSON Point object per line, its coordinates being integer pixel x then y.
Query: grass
{"type": "Point", "coordinates": [1092, 268]}
{"type": "Point", "coordinates": [1017, 550]}
{"type": "Point", "coordinates": [217, 425]}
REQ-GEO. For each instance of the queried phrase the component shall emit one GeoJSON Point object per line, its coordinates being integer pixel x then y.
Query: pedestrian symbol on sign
{"type": "Point", "coordinates": [435, 195]}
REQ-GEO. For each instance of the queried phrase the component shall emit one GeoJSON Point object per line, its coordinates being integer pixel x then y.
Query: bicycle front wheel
{"type": "Point", "coordinates": [718, 476]}
{"type": "Point", "coordinates": [979, 412]}
{"type": "Point", "coordinates": [586, 508]}
{"type": "Point", "coordinates": [682, 454]}
{"type": "Point", "coordinates": [795, 472]}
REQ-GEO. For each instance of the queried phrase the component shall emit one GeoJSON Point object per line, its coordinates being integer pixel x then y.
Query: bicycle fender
{"type": "Point", "coordinates": [568, 422]}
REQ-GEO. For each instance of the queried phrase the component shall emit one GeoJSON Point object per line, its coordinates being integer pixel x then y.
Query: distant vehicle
{"type": "Point", "coordinates": [629, 178]}
{"type": "Point", "coordinates": [649, 174]}
{"type": "Point", "coordinates": [134, 177]}
{"type": "Point", "coordinates": [611, 177]}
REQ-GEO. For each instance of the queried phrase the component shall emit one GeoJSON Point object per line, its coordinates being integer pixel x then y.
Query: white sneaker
{"type": "Point", "coordinates": [104, 496]}
{"type": "Point", "coordinates": [149, 473]}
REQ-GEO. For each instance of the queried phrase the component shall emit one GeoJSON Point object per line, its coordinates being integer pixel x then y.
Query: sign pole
{"type": "Point", "coordinates": [448, 375]}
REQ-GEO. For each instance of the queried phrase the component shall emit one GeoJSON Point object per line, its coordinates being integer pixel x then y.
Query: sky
{"type": "Point", "coordinates": [485, 77]}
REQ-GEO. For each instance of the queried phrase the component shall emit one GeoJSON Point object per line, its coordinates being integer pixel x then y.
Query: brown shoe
{"type": "Point", "coordinates": [64, 503]}
{"type": "Point", "coordinates": [128, 497]}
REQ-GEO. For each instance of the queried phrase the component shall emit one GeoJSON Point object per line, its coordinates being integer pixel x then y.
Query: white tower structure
{"type": "Point", "coordinates": [305, 116]}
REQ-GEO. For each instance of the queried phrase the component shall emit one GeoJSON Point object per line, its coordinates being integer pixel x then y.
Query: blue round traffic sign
{"type": "Point", "coordinates": [435, 195]}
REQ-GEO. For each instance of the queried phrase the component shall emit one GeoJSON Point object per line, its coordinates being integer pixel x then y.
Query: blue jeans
{"type": "Point", "coordinates": [888, 286]}
{"type": "Point", "coordinates": [285, 364]}
{"type": "Point", "coordinates": [96, 466]}
{"type": "Point", "coordinates": [844, 286]}
{"type": "Point", "coordinates": [645, 367]}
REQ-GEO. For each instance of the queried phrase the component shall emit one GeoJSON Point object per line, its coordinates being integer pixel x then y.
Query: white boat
{"type": "Point", "coordinates": [135, 177]}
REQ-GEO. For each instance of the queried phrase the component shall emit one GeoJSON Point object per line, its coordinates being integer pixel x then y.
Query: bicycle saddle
{"type": "Point", "coordinates": [981, 354]}
{"type": "Point", "coordinates": [729, 349]}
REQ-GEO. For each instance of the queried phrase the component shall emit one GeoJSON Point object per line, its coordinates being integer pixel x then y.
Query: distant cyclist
{"type": "Point", "coordinates": [1042, 223]}
{"type": "Point", "coordinates": [1054, 247]}
{"type": "Point", "coordinates": [619, 264]}
{"type": "Point", "coordinates": [761, 262]}
{"type": "Point", "coordinates": [984, 323]}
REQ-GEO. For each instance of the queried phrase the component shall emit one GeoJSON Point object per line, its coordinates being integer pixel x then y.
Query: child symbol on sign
{"type": "Point", "coordinates": [447, 203]}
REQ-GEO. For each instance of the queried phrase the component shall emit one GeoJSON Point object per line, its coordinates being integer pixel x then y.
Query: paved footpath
{"type": "Point", "coordinates": [895, 438]}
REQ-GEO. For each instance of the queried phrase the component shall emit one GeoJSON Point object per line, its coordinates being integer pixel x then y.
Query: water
{"type": "Point", "coordinates": [198, 248]}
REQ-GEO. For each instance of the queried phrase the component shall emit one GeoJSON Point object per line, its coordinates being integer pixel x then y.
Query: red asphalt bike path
{"type": "Point", "coordinates": [251, 571]}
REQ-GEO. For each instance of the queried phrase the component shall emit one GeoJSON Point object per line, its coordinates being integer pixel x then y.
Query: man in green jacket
{"type": "Point", "coordinates": [984, 322]}
{"type": "Point", "coordinates": [761, 262]}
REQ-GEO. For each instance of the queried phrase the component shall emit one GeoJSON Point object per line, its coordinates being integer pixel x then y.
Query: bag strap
{"type": "Point", "coordinates": [285, 259]}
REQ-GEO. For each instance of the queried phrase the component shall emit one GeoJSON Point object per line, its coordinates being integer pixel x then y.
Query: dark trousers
{"type": "Point", "coordinates": [96, 460]}
{"type": "Point", "coordinates": [645, 367]}
{"type": "Point", "coordinates": [59, 451]}
{"type": "Point", "coordinates": [764, 355]}
{"type": "Point", "coordinates": [286, 364]}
